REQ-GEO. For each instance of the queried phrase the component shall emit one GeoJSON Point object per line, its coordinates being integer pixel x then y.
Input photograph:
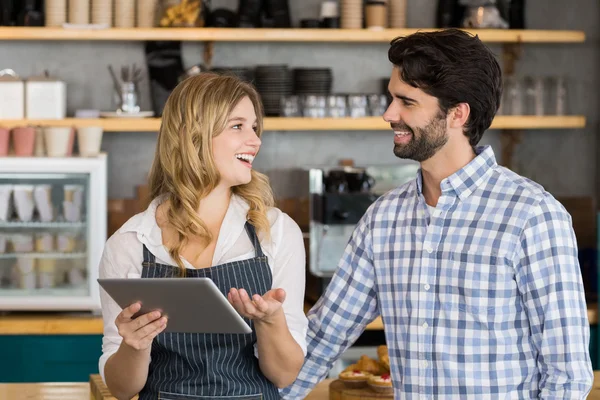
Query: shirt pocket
{"type": "Point", "coordinates": [480, 285]}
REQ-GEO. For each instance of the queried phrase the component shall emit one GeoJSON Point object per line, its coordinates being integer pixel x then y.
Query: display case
{"type": "Point", "coordinates": [52, 232]}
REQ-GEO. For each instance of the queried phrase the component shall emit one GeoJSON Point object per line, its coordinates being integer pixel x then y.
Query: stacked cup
{"type": "Point", "coordinates": [102, 12]}
{"type": "Point", "coordinates": [146, 13]}
{"type": "Point", "coordinates": [89, 139]}
{"type": "Point", "coordinates": [352, 14]}
{"type": "Point", "coordinates": [56, 12]}
{"type": "Point", "coordinates": [59, 141]}
{"type": "Point", "coordinates": [79, 11]}
{"type": "Point", "coordinates": [125, 13]}
{"type": "Point", "coordinates": [397, 13]}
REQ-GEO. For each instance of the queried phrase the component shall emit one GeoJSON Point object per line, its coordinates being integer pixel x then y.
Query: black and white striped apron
{"type": "Point", "coordinates": [194, 366]}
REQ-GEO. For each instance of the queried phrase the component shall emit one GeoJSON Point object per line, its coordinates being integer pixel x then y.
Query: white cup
{"type": "Point", "coordinates": [57, 140]}
{"type": "Point", "coordinates": [42, 195]}
{"type": "Point", "coordinates": [22, 243]}
{"type": "Point", "coordinates": [24, 203]}
{"type": "Point", "coordinates": [89, 139]}
{"type": "Point", "coordinates": [5, 195]}
{"type": "Point", "coordinates": [329, 9]}
{"type": "Point", "coordinates": [25, 271]}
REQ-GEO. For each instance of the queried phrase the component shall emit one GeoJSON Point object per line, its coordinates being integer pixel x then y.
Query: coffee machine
{"type": "Point", "coordinates": [339, 197]}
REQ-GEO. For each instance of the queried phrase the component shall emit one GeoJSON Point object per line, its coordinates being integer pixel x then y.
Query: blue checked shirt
{"type": "Point", "coordinates": [482, 298]}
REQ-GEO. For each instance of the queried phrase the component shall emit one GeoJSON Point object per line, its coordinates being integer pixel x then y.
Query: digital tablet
{"type": "Point", "coordinates": [192, 305]}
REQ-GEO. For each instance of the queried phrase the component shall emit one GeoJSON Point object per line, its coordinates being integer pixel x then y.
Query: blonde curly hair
{"type": "Point", "coordinates": [184, 171]}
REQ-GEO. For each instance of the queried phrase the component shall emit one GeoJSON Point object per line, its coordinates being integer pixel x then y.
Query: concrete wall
{"type": "Point", "coordinates": [562, 160]}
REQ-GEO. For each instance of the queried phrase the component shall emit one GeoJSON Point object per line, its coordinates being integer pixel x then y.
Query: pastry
{"type": "Point", "coordinates": [384, 358]}
{"type": "Point", "coordinates": [381, 383]}
{"type": "Point", "coordinates": [355, 379]}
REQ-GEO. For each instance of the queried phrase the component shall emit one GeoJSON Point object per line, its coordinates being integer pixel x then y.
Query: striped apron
{"type": "Point", "coordinates": [194, 366]}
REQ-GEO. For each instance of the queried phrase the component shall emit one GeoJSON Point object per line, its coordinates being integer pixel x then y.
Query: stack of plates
{"type": "Point", "coordinates": [245, 74]}
{"type": "Point", "coordinates": [397, 13]}
{"type": "Point", "coordinates": [56, 12]}
{"type": "Point", "coordinates": [312, 81]}
{"type": "Point", "coordinates": [352, 14]}
{"type": "Point", "coordinates": [273, 82]}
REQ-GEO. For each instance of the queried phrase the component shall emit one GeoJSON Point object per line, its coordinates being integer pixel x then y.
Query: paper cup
{"type": "Point", "coordinates": [46, 273]}
{"type": "Point", "coordinates": [23, 139]}
{"type": "Point", "coordinates": [66, 242]}
{"type": "Point", "coordinates": [23, 195]}
{"type": "Point", "coordinates": [22, 243]}
{"type": "Point", "coordinates": [5, 196]}
{"type": "Point", "coordinates": [43, 201]}
{"type": "Point", "coordinates": [89, 139]}
{"type": "Point", "coordinates": [3, 243]}
{"type": "Point", "coordinates": [25, 273]}
{"type": "Point", "coordinates": [4, 140]}
{"type": "Point", "coordinates": [39, 146]}
{"type": "Point", "coordinates": [57, 141]}
{"type": "Point", "coordinates": [146, 13]}
{"type": "Point", "coordinates": [44, 242]}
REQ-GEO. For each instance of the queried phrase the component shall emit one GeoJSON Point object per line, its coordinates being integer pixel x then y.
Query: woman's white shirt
{"type": "Point", "coordinates": [123, 256]}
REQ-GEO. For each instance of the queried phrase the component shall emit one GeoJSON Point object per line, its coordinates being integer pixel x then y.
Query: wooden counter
{"type": "Point", "coordinates": [91, 391]}
{"type": "Point", "coordinates": [98, 390]}
{"type": "Point", "coordinates": [69, 324]}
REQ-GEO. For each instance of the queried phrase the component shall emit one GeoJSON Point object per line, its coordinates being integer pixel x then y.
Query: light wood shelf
{"type": "Point", "coordinates": [305, 124]}
{"type": "Point", "coordinates": [43, 324]}
{"type": "Point", "coordinates": [275, 35]}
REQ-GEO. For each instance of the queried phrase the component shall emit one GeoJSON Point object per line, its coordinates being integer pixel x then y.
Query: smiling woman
{"type": "Point", "coordinates": [211, 216]}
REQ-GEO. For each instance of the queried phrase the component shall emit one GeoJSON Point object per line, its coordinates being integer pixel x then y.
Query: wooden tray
{"type": "Point", "coordinates": [339, 391]}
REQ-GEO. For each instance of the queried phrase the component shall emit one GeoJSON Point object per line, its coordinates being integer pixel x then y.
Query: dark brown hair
{"type": "Point", "coordinates": [456, 67]}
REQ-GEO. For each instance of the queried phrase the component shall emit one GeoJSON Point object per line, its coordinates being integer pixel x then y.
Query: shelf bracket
{"type": "Point", "coordinates": [509, 138]}
{"type": "Point", "coordinates": [209, 51]}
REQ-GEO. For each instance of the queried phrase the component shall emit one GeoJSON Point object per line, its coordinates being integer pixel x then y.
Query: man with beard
{"type": "Point", "coordinates": [472, 267]}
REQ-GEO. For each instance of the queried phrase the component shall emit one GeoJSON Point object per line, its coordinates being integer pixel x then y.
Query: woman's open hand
{"type": "Point", "coordinates": [257, 308]}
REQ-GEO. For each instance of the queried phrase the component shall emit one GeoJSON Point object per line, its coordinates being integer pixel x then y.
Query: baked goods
{"type": "Point", "coordinates": [355, 378]}
{"type": "Point", "coordinates": [381, 383]}
{"type": "Point", "coordinates": [366, 369]}
{"type": "Point", "coordinates": [186, 13]}
{"type": "Point", "coordinates": [384, 358]}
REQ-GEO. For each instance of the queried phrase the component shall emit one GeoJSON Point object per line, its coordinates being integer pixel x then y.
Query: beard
{"type": "Point", "coordinates": [425, 142]}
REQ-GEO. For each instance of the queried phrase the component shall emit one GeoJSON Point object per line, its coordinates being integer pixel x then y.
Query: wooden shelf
{"type": "Point", "coordinates": [274, 35]}
{"type": "Point", "coordinates": [306, 124]}
{"type": "Point", "coordinates": [59, 324]}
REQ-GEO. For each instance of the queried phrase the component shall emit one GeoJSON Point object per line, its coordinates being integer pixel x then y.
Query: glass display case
{"type": "Point", "coordinates": [52, 232]}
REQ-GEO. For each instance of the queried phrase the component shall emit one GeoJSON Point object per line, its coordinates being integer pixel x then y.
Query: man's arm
{"type": "Point", "coordinates": [549, 278]}
{"type": "Point", "coordinates": [341, 314]}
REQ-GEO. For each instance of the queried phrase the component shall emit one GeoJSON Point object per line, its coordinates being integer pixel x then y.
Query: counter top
{"type": "Point", "coordinates": [98, 391]}
{"type": "Point", "coordinates": [86, 324]}
{"type": "Point", "coordinates": [91, 391]}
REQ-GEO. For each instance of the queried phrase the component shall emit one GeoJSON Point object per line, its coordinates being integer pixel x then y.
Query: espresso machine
{"type": "Point", "coordinates": [339, 197]}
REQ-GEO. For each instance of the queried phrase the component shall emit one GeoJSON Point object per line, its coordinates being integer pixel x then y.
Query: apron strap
{"type": "Point", "coordinates": [149, 259]}
{"type": "Point", "coordinates": [254, 238]}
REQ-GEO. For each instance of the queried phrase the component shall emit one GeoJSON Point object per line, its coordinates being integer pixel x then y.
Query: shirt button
{"type": "Point", "coordinates": [427, 287]}
{"type": "Point", "coordinates": [428, 248]}
{"type": "Point", "coordinates": [425, 325]}
{"type": "Point", "coordinates": [424, 364]}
